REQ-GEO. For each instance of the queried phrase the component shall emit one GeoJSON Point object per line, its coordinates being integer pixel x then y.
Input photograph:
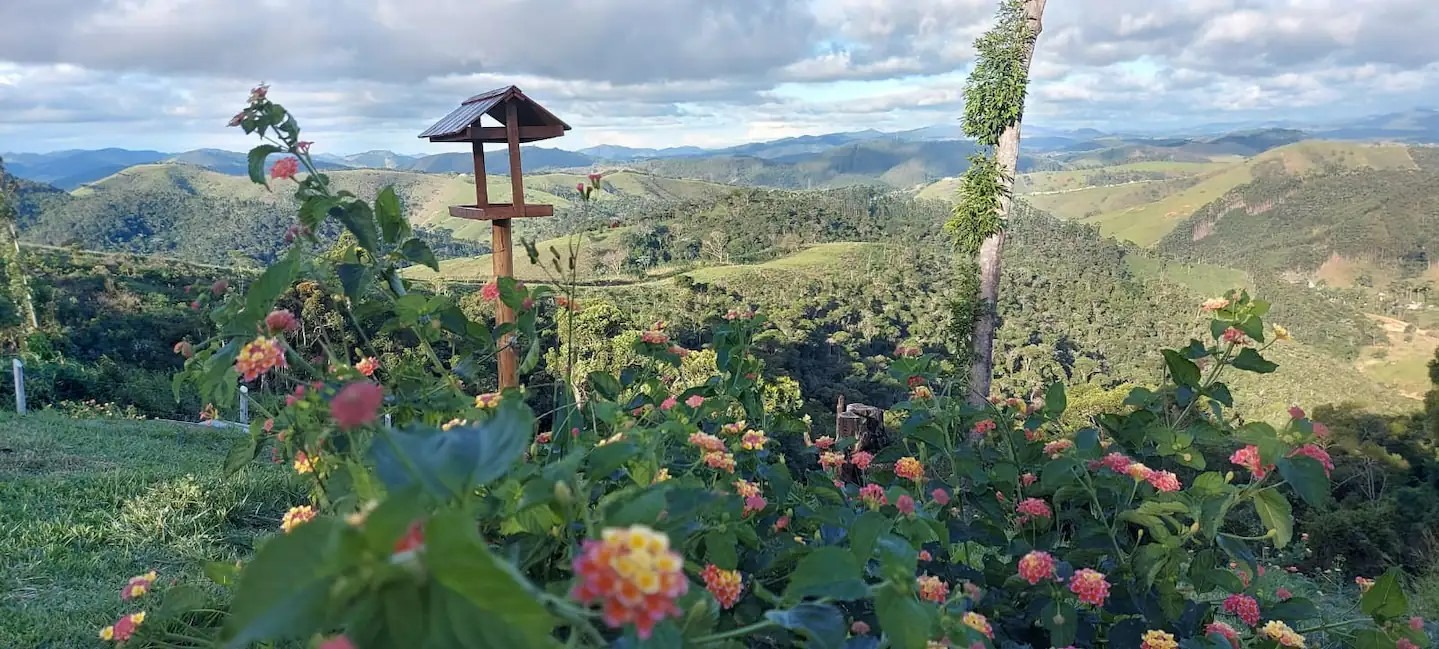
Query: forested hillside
{"type": "Point", "coordinates": [1280, 223]}
{"type": "Point", "coordinates": [201, 215]}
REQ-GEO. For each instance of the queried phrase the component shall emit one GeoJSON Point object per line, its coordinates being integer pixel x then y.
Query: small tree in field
{"type": "Point", "coordinates": [993, 108]}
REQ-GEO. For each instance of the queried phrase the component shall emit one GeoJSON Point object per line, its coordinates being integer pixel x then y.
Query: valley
{"type": "Point", "coordinates": [1114, 226]}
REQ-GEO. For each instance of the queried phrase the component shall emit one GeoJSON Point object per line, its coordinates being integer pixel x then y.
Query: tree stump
{"type": "Point", "coordinates": [865, 425]}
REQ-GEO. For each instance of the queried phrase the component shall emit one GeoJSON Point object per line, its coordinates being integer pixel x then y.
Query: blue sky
{"type": "Point", "coordinates": [370, 74]}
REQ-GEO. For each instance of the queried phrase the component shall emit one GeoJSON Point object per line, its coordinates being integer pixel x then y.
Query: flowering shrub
{"type": "Point", "coordinates": [644, 511]}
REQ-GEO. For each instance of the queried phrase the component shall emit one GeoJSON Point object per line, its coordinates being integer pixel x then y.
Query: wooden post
{"type": "Point", "coordinates": [19, 386]}
{"type": "Point", "coordinates": [244, 405]}
{"type": "Point", "coordinates": [502, 258]}
{"type": "Point", "coordinates": [482, 185]}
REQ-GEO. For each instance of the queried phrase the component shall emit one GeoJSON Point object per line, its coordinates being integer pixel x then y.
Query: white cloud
{"type": "Point", "coordinates": [367, 74]}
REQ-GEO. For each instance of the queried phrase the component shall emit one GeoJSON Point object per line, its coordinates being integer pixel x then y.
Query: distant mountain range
{"type": "Point", "coordinates": [900, 159]}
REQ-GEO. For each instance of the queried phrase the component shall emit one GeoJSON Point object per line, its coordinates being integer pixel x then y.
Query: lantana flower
{"type": "Point", "coordinates": [909, 468]}
{"type": "Point", "coordinates": [1248, 458]}
{"type": "Point", "coordinates": [706, 441]}
{"type": "Point", "coordinates": [634, 575]}
{"type": "Point", "coordinates": [1057, 447]}
{"type": "Point", "coordinates": [1281, 633]}
{"type": "Point", "coordinates": [725, 585]}
{"type": "Point", "coordinates": [1317, 453]}
{"type": "Point", "coordinates": [1164, 481]}
{"type": "Point", "coordinates": [296, 517]}
{"type": "Point", "coordinates": [720, 460]}
{"type": "Point", "coordinates": [1036, 566]}
{"type": "Point", "coordinates": [1156, 639]}
{"type": "Point", "coordinates": [933, 589]}
{"type": "Point", "coordinates": [259, 356]}
{"type": "Point", "coordinates": [979, 623]}
{"type": "Point", "coordinates": [123, 628]}
{"type": "Point", "coordinates": [1244, 607]}
{"type": "Point", "coordinates": [1090, 585]}
{"type": "Point", "coordinates": [356, 405]}
{"type": "Point", "coordinates": [138, 585]}
{"type": "Point", "coordinates": [367, 365]}
{"type": "Point", "coordinates": [873, 495]}
{"type": "Point", "coordinates": [1224, 630]}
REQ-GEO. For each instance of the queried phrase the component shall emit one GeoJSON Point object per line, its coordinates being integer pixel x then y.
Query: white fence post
{"type": "Point", "coordinates": [244, 405]}
{"type": "Point", "coordinates": [387, 420]}
{"type": "Point", "coordinates": [19, 386]}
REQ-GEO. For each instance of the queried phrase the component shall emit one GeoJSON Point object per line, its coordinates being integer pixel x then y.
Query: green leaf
{"type": "Point", "coordinates": [827, 572]}
{"type": "Point", "coordinates": [459, 559]}
{"type": "Point", "coordinates": [904, 620]}
{"type": "Point", "coordinates": [642, 508]}
{"type": "Point", "coordinates": [285, 591]}
{"type": "Point", "coordinates": [393, 225]}
{"type": "Point", "coordinates": [257, 162]}
{"type": "Point", "coordinates": [272, 283]}
{"type": "Point", "coordinates": [1220, 392]}
{"type": "Point", "coordinates": [241, 453]}
{"type": "Point", "coordinates": [1149, 559]}
{"type": "Point", "coordinates": [1306, 476]}
{"type": "Point", "coordinates": [314, 210]}
{"type": "Point", "coordinates": [223, 573]}
{"type": "Point", "coordinates": [603, 460]}
{"type": "Point", "coordinates": [360, 221]}
{"type": "Point", "coordinates": [1250, 361]}
{"type": "Point", "coordinates": [1054, 400]}
{"type": "Point", "coordinates": [720, 549]}
{"type": "Point", "coordinates": [1293, 611]}
{"type": "Point", "coordinates": [180, 599]}
{"type": "Point", "coordinates": [418, 251]}
{"type": "Point", "coordinates": [821, 624]}
{"type": "Point", "coordinates": [1181, 369]}
{"type": "Point", "coordinates": [1276, 514]}
{"type": "Point", "coordinates": [1385, 599]}
{"type": "Point", "coordinates": [604, 385]}
{"type": "Point", "coordinates": [865, 531]}
{"type": "Point", "coordinates": [354, 279]}
{"type": "Point", "coordinates": [1062, 621]}
{"type": "Point", "coordinates": [1058, 473]}
{"type": "Point", "coordinates": [457, 460]}
{"type": "Point", "coordinates": [512, 293]}
{"type": "Point", "coordinates": [1372, 639]}
{"type": "Point", "coordinates": [1238, 550]}
{"type": "Point", "coordinates": [403, 609]}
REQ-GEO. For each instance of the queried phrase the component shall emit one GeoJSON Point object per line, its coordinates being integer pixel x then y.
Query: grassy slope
{"type": "Point", "coordinates": [1148, 223]}
{"type": "Point", "coordinates": [1143, 212]}
{"type": "Point", "coordinates": [90, 503]}
{"type": "Point", "coordinates": [1402, 364]}
{"type": "Point", "coordinates": [814, 260]}
{"type": "Point", "coordinates": [479, 269]}
{"type": "Point", "coordinates": [427, 197]}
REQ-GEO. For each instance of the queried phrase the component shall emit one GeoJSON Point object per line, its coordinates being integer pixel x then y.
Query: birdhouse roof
{"type": "Point", "coordinates": [456, 125]}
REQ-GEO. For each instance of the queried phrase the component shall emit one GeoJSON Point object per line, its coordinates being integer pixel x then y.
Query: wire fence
{"type": "Point", "coordinates": [230, 415]}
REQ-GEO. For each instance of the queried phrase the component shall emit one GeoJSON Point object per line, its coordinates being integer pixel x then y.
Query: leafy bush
{"type": "Point", "coordinates": [460, 522]}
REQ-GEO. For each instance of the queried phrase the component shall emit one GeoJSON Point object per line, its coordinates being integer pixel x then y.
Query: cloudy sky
{"type": "Point", "coordinates": [368, 74]}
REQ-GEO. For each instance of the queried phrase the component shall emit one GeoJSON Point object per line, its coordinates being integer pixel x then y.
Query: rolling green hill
{"type": "Point", "coordinates": [1379, 219]}
{"type": "Point", "coordinates": [880, 162]}
{"type": "Point", "coordinates": [203, 215]}
{"type": "Point", "coordinates": [1142, 202]}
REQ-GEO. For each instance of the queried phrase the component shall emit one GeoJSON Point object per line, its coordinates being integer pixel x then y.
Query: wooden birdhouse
{"type": "Point", "coordinates": [521, 120]}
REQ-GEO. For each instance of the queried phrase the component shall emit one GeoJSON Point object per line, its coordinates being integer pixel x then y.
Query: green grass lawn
{"type": "Point", "coordinates": [84, 505]}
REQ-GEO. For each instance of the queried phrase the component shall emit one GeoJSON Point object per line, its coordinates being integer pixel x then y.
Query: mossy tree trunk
{"type": "Point", "coordinates": [994, 110]}
{"type": "Point", "coordinates": [11, 252]}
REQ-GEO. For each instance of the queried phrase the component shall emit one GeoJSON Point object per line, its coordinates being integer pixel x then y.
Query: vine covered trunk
{"type": "Point", "coordinates": [981, 369]}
